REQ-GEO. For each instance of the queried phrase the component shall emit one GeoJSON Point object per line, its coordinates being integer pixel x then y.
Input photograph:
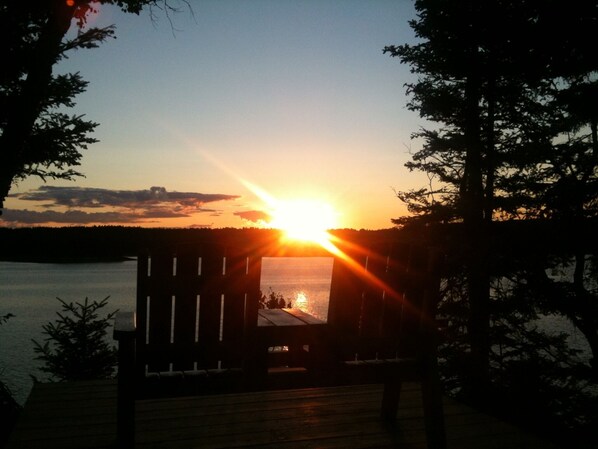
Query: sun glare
{"type": "Point", "coordinates": [300, 219]}
{"type": "Point", "coordinates": [306, 220]}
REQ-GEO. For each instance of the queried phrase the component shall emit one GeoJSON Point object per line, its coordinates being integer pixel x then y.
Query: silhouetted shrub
{"type": "Point", "coordinates": [76, 346]}
{"type": "Point", "coordinates": [273, 300]}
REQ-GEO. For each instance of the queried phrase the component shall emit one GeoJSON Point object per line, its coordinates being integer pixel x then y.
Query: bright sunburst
{"type": "Point", "coordinates": [299, 219]}
{"type": "Point", "coordinates": [307, 220]}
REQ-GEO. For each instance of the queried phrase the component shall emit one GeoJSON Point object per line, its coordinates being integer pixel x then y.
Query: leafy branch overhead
{"type": "Point", "coordinates": [37, 136]}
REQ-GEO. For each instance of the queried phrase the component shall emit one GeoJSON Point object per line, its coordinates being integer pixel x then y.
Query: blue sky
{"type": "Point", "coordinates": [292, 98]}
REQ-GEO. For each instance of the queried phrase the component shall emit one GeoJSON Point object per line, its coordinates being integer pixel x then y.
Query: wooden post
{"type": "Point", "coordinates": [431, 388]}
{"type": "Point", "coordinates": [124, 333]}
{"type": "Point", "coordinates": [390, 400]}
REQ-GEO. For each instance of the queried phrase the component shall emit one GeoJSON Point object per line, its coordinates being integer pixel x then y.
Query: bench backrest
{"type": "Point", "coordinates": [383, 299]}
{"type": "Point", "coordinates": [194, 307]}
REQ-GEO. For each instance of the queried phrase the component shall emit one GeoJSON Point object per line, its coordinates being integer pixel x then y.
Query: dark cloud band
{"type": "Point", "coordinates": [119, 206]}
{"type": "Point", "coordinates": [95, 197]}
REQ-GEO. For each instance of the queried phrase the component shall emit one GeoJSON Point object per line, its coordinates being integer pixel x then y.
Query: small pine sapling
{"type": "Point", "coordinates": [76, 347]}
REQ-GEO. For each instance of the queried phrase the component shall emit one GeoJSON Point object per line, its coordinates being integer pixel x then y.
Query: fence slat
{"type": "Point", "coordinates": [186, 292]}
{"type": "Point", "coordinates": [160, 305]}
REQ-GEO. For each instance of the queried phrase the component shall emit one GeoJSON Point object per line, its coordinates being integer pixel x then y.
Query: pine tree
{"type": "Point", "coordinates": [498, 78]}
{"type": "Point", "coordinates": [76, 346]}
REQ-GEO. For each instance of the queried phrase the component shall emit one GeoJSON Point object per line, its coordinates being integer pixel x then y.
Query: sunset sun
{"type": "Point", "coordinates": [307, 220]}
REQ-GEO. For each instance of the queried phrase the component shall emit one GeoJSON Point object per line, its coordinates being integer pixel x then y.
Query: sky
{"type": "Point", "coordinates": [216, 118]}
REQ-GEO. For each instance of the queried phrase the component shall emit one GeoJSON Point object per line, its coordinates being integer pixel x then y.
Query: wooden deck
{"type": "Point", "coordinates": [82, 415]}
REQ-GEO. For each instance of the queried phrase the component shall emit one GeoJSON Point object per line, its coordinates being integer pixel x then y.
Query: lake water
{"type": "Point", "coordinates": [29, 291]}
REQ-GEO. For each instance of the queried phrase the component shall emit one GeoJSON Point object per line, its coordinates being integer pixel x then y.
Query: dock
{"type": "Point", "coordinates": [82, 415]}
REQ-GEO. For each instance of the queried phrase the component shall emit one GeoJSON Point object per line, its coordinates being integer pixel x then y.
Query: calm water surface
{"type": "Point", "coordinates": [29, 291]}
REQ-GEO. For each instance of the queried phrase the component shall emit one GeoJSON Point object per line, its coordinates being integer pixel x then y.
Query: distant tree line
{"type": "Point", "coordinates": [77, 244]}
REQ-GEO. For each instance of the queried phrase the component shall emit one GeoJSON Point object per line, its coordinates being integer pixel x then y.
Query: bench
{"type": "Point", "coordinates": [198, 328]}
{"type": "Point", "coordinates": [382, 323]}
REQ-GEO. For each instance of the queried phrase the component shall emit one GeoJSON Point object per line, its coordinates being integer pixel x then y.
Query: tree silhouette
{"type": "Point", "coordinates": [503, 81]}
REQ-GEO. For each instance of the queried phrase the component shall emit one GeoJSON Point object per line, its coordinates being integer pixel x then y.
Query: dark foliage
{"type": "Point", "coordinates": [538, 379]}
{"type": "Point", "coordinates": [9, 408]}
{"type": "Point", "coordinates": [515, 138]}
{"type": "Point", "coordinates": [273, 300]}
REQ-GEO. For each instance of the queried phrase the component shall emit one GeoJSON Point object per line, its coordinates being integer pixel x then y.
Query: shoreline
{"type": "Point", "coordinates": [67, 260]}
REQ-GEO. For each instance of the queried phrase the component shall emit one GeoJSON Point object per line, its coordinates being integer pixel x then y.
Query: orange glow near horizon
{"type": "Point", "coordinates": [300, 219]}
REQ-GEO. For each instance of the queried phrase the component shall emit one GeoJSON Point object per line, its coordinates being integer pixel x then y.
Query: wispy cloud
{"type": "Point", "coordinates": [95, 205]}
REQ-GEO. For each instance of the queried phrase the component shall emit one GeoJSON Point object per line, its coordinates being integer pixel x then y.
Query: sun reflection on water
{"type": "Point", "coordinates": [302, 281]}
{"type": "Point", "coordinates": [301, 302]}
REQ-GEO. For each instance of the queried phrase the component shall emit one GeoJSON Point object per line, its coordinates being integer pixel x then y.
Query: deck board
{"type": "Point", "coordinates": [82, 415]}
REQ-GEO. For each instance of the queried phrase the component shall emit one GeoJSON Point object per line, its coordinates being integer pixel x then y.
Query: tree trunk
{"type": "Point", "coordinates": [477, 239]}
{"type": "Point", "coordinates": [594, 128]}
